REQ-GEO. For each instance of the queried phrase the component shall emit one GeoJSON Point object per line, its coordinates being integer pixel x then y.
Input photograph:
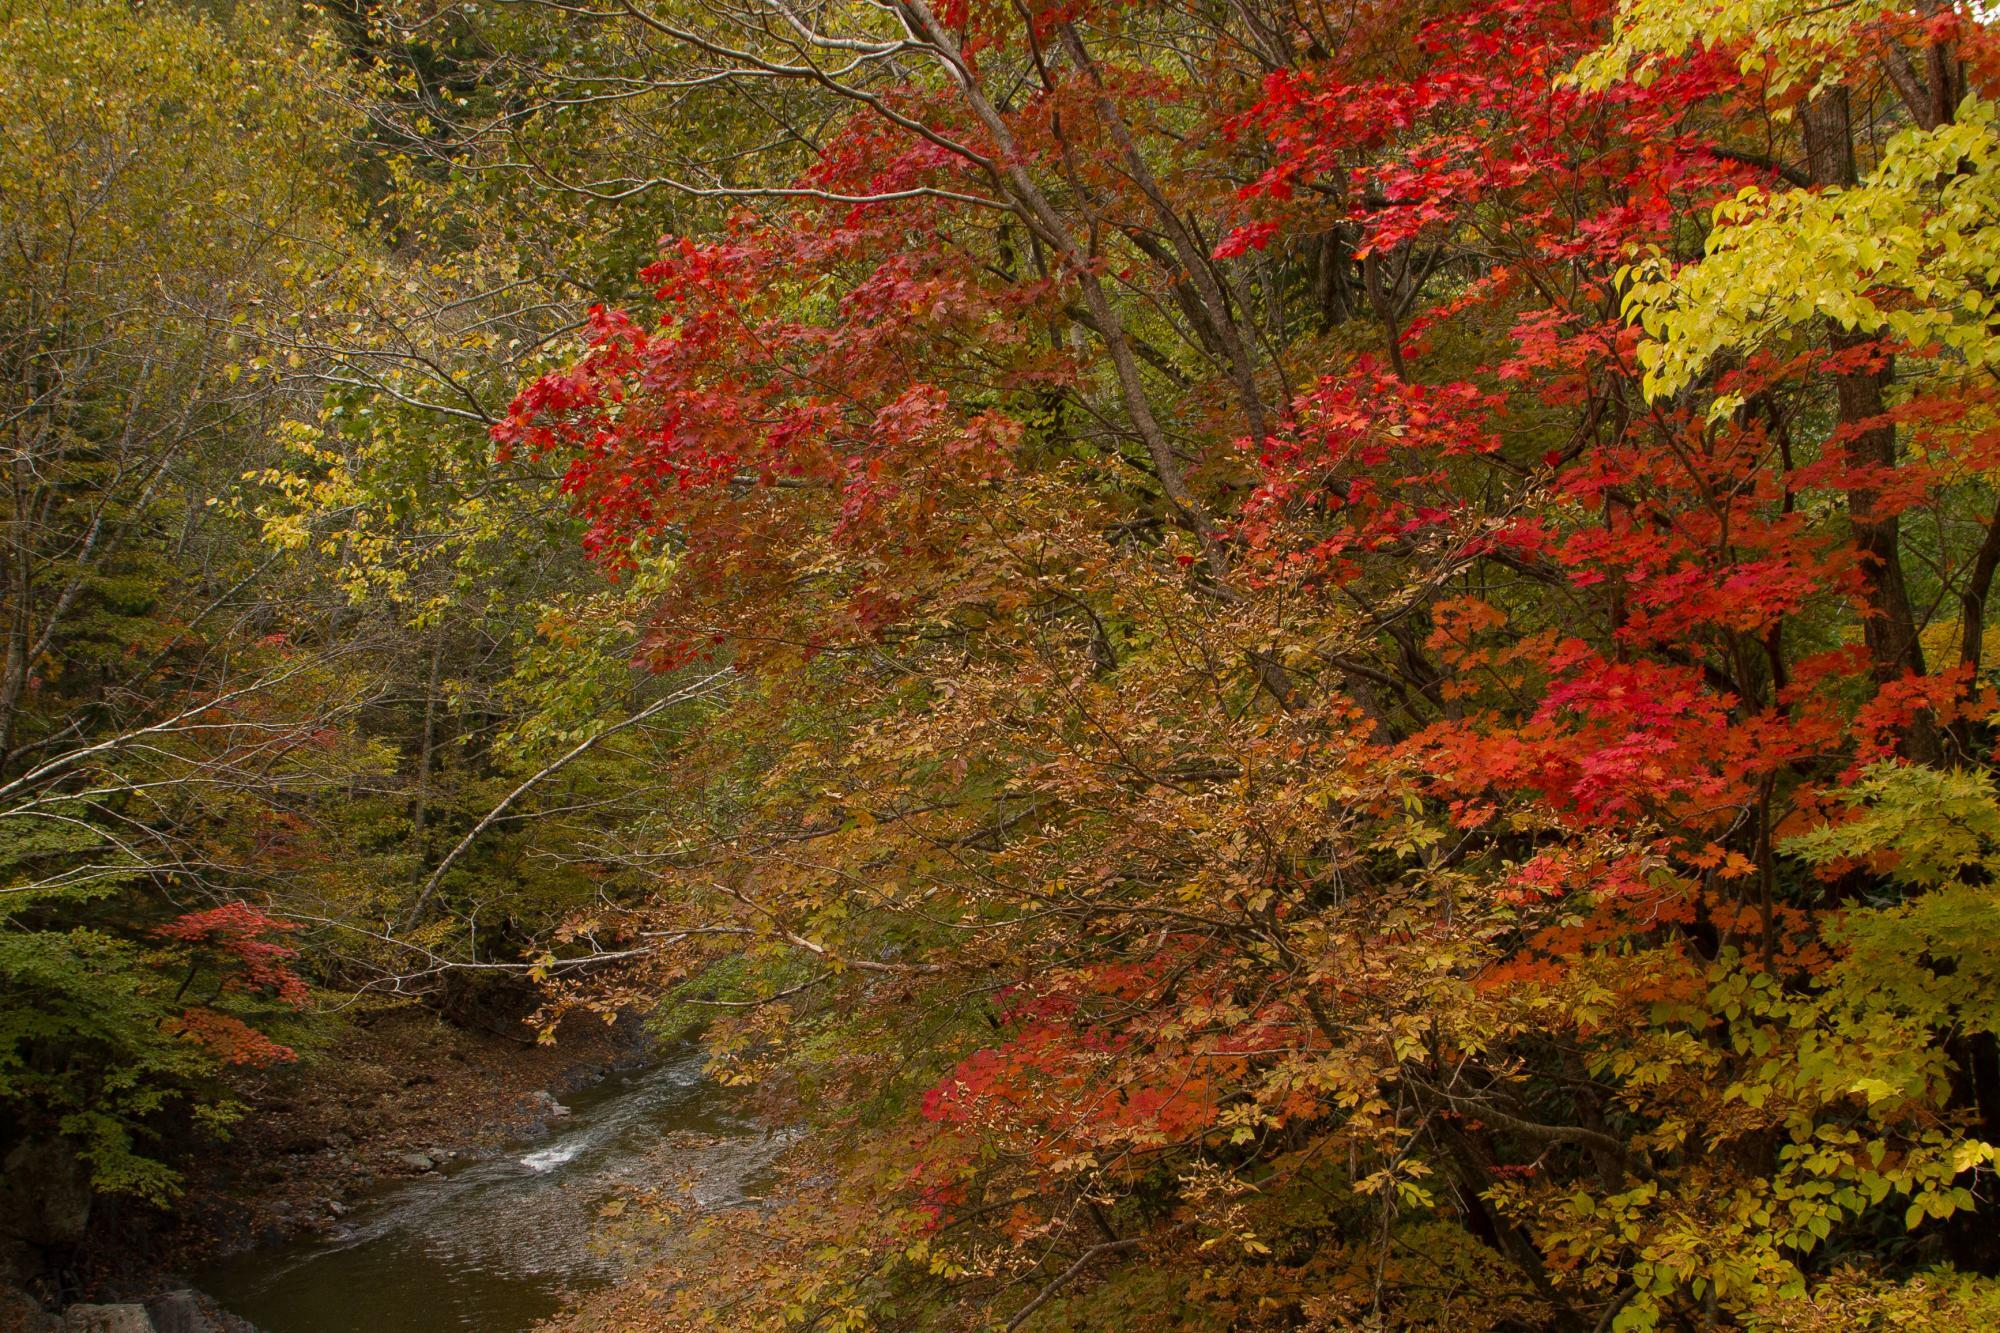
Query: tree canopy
{"type": "Point", "coordinates": [1300, 665]}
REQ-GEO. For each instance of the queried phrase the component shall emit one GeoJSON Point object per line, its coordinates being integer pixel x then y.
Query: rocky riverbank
{"type": "Point", "coordinates": [399, 1097]}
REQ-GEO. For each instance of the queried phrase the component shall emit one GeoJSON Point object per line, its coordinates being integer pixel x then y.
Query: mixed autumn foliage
{"type": "Point", "coordinates": [1328, 663]}
{"type": "Point", "coordinates": [1410, 583]}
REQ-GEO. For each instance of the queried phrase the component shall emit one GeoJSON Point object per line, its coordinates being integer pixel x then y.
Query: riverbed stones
{"type": "Point", "coordinates": [416, 1161]}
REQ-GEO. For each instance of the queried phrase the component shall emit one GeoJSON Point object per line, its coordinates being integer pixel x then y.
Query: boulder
{"type": "Point", "coordinates": [180, 1312]}
{"type": "Point", "coordinates": [416, 1161]}
{"type": "Point", "coordinates": [22, 1313]}
{"type": "Point", "coordinates": [44, 1194]}
{"type": "Point", "coordinates": [45, 1199]}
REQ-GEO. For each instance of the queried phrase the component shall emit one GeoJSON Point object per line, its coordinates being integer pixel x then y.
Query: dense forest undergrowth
{"type": "Point", "coordinates": [1289, 663]}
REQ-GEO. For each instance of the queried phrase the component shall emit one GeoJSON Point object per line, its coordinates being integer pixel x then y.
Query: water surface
{"type": "Point", "coordinates": [496, 1245]}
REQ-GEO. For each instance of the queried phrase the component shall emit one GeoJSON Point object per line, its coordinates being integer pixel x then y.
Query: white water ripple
{"type": "Point", "coordinates": [548, 1159]}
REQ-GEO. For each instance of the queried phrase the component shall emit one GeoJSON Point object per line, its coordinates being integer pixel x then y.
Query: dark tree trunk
{"type": "Point", "coordinates": [1890, 626]}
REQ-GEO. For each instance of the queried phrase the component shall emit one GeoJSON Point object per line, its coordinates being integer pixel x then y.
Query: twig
{"type": "Point", "coordinates": [1043, 1296]}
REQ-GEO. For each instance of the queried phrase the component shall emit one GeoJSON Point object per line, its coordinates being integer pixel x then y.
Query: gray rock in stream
{"type": "Point", "coordinates": [107, 1319]}
{"type": "Point", "coordinates": [416, 1161]}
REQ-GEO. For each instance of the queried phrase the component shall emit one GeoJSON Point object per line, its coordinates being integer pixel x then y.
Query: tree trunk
{"type": "Point", "coordinates": [427, 749]}
{"type": "Point", "coordinates": [1890, 624]}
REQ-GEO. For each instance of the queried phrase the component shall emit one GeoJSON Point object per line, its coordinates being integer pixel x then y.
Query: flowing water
{"type": "Point", "coordinates": [495, 1245]}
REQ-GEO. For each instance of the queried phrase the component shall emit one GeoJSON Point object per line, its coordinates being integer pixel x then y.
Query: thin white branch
{"type": "Point", "coordinates": [706, 685]}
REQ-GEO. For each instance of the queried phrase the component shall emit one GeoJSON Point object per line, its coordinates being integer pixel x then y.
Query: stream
{"type": "Point", "coordinates": [496, 1244]}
